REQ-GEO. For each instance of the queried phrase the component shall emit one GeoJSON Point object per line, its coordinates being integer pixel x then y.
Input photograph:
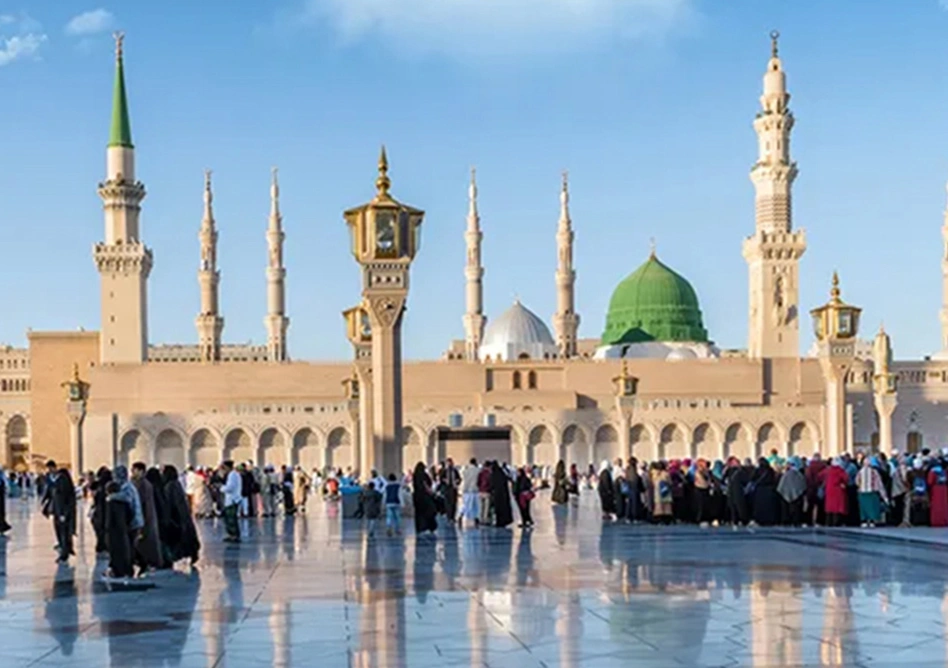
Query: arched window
{"type": "Point", "coordinates": [516, 380]}
{"type": "Point", "coordinates": [532, 380]}
{"type": "Point", "coordinates": [523, 356]}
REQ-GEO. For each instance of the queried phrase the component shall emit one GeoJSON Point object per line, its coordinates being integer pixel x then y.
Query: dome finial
{"type": "Point", "coordinates": [835, 292]}
{"type": "Point", "coordinates": [774, 36]}
{"type": "Point", "coordinates": [383, 183]}
{"type": "Point", "coordinates": [652, 254]}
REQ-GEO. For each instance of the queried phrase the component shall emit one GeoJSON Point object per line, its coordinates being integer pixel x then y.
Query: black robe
{"type": "Point", "coordinates": [99, 510]}
{"type": "Point", "coordinates": [184, 541]}
{"type": "Point", "coordinates": [4, 527]}
{"type": "Point", "coordinates": [426, 512]}
{"type": "Point", "coordinates": [500, 497]}
{"type": "Point", "coordinates": [736, 479]}
{"type": "Point", "coordinates": [118, 515]}
{"type": "Point", "coordinates": [607, 494]}
{"type": "Point", "coordinates": [148, 546]}
{"type": "Point", "coordinates": [766, 502]}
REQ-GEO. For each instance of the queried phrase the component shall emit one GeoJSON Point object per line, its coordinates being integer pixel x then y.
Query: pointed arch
{"type": "Point", "coordinates": [803, 440]}
{"type": "Point", "coordinates": [770, 437]}
{"type": "Point", "coordinates": [169, 448]}
{"type": "Point", "coordinates": [606, 446]}
{"type": "Point", "coordinates": [307, 452]}
{"type": "Point", "coordinates": [205, 450]}
{"type": "Point", "coordinates": [339, 451]}
{"type": "Point", "coordinates": [238, 446]}
{"type": "Point", "coordinates": [576, 446]}
{"type": "Point", "coordinates": [17, 442]}
{"type": "Point", "coordinates": [413, 448]}
{"type": "Point", "coordinates": [673, 443]}
{"type": "Point", "coordinates": [541, 448]}
{"type": "Point", "coordinates": [641, 444]}
{"type": "Point", "coordinates": [704, 443]}
{"type": "Point", "coordinates": [272, 448]}
{"type": "Point", "coordinates": [133, 447]}
{"type": "Point", "coordinates": [738, 442]}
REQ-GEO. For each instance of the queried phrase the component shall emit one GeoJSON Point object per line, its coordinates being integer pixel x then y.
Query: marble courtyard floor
{"type": "Point", "coordinates": [313, 592]}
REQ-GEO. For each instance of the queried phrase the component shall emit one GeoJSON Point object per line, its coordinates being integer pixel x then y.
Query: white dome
{"type": "Point", "coordinates": [518, 332]}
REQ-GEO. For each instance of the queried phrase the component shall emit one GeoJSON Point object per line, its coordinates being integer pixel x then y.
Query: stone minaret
{"type": "Point", "coordinates": [773, 252]}
{"type": "Point", "coordinates": [944, 286]}
{"type": "Point", "coordinates": [123, 261]}
{"type": "Point", "coordinates": [474, 319]}
{"type": "Point", "coordinates": [209, 323]}
{"type": "Point", "coordinates": [565, 320]}
{"type": "Point", "coordinates": [276, 321]}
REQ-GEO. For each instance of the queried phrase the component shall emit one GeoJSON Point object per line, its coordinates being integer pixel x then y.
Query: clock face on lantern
{"type": "Point", "coordinates": [385, 231]}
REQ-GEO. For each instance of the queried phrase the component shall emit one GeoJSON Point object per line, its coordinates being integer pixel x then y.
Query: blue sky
{"type": "Point", "coordinates": [648, 103]}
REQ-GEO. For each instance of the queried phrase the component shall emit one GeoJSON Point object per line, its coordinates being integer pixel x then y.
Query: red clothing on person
{"type": "Point", "coordinates": [939, 501]}
{"type": "Point", "coordinates": [483, 481]}
{"type": "Point", "coordinates": [835, 481]}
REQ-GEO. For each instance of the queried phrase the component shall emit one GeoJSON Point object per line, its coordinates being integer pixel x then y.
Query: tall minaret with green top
{"type": "Point", "coordinates": [123, 261]}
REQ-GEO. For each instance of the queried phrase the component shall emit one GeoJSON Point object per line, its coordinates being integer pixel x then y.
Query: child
{"type": "Point", "coordinates": [393, 506]}
{"type": "Point", "coordinates": [371, 506]}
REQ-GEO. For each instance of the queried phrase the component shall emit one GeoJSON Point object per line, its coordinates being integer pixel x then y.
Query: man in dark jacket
{"type": "Point", "coordinates": [59, 502]}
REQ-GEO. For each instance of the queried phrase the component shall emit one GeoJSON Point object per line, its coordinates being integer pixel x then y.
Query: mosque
{"type": "Point", "coordinates": [654, 385]}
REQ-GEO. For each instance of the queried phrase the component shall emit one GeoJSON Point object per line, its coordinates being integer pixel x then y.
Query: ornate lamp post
{"type": "Point", "coordinates": [884, 388]}
{"type": "Point", "coordinates": [77, 392]}
{"type": "Point", "coordinates": [625, 387]}
{"type": "Point", "coordinates": [836, 325]}
{"type": "Point", "coordinates": [386, 235]}
{"type": "Point", "coordinates": [359, 385]}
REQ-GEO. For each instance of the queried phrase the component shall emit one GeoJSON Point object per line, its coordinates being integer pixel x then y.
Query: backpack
{"type": "Point", "coordinates": [919, 486]}
{"type": "Point", "coordinates": [941, 477]}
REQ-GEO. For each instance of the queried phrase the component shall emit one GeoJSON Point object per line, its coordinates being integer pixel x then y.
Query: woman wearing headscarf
{"type": "Point", "coordinates": [5, 488]}
{"type": "Point", "coordinates": [938, 494]}
{"type": "Point", "coordinates": [766, 502]}
{"type": "Point", "coordinates": [119, 514]}
{"type": "Point", "coordinates": [523, 492]}
{"type": "Point", "coordinates": [792, 490]}
{"type": "Point", "coordinates": [183, 539]}
{"type": "Point", "coordinates": [560, 493]}
{"type": "Point", "coordinates": [835, 482]}
{"type": "Point", "coordinates": [148, 555]}
{"type": "Point", "coordinates": [99, 507]}
{"type": "Point", "coordinates": [633, 506]}
{"type": "Point", "coordinates": [500, 496]}
{"type": "Point", "coordinates": [736, 478]}
{"type": "Point", "coordinates": [815, 491]}
{"type": "Point", "coordinates": [702, 493]}
{"type": "Point", "coordinates": [573, 483]}
{"type": "Point", "coordinates": [166, 532]}
{"type": "Point", "coordinates": [607, 494]}
{"type": "Point", "coordinates": [872, 496]}
{"type": "Point", "coordinates": [663, 499]}
{"type": "Point", "coordinates": [718, 494]}
{"type": "Point", "coordinates": [426, 513]}
{"type": "Point", "coordinates": [919, 512]}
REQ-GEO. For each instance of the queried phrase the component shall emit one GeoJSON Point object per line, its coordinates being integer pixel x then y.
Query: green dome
{"type": "Point", "coordinates": [654, 304]}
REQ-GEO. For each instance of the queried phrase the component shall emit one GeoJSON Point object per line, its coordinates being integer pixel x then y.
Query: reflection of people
{"type": "Point", "coordinates": [62, 612]}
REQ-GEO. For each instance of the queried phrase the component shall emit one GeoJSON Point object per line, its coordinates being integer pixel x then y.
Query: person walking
{"type": "Point", "coordinates": [523, 493]}
{"type": "Point", "coordinates": [469, 494]}
{"type": "Point", "coordinates": [59, 502]}
{"type": "Point", "coordinates": [232, 500]}
{"type": "Point", "coordinates": [4, 490]}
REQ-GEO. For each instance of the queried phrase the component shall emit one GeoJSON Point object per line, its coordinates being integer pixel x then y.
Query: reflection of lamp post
{"type": "Point", "coordinates": [625, 387]}
{"type": "Point", "coordinates": [836, 325]}
{"type": "Point", "coordinates": [385, 238]}
{"type": "Point", "coordinates": [884, 388]}
{"type": "Point", "coordinates": [77, 394]}
{"type": "Point", "coordinates": [359, 385]}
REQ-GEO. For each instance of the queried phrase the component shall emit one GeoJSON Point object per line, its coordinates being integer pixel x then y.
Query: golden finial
{"type": "Point", "coordinates": [75, 372]}
{"type": "Point", "coordinates": [652, 254]}
{"type": "Point", "coordinates": [774, 36]}
{"type": "Point", "coordinates": [119, 38]}
{"type": "Point", "coordinates": [565, 180]}
{"type": "Point", "coordinates": [835, 291]}
{"type": "Point", "coordinates": [383, 183]}
{"type": "Point", "coordinates": [625, 368]}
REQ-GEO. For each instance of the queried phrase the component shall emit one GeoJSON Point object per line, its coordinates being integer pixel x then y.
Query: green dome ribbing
{"type": "Point", "coordinates": [654, 304]}
{"type": "Point", "coordinates": [120, 133]}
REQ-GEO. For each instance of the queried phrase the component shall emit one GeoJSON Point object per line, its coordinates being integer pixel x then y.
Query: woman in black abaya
{"type": "Point", "coordinates": [500, 496]}
{"type": "Point", "coordinates": [184, 541]}
{"type": "Point", "coordinates": [426, 513]}
{"type": "Point", "coordinates": [118, 516]}
{"type": "Point", "coordinates": [766, 508]}
{"type": "Point", "coordinates": [99, 507]}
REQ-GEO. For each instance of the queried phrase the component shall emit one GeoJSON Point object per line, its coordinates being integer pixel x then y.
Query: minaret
{"type": "Point", "coordinates": [276, 321]}
{"type": "Point", "coordinates": [474, 319]}
{"type": "Point", "coordinates": [773, 252]}
{"type": "Point", "coordinates": [209, 323]}
{"type": "Point", "coordinates": [944, 285]}
{"type": "Point", "coordinates": [565, 320]}
{"type": "Point", "coordinates": [123, 261]}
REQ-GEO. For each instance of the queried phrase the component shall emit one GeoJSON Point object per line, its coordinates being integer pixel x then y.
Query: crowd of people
{"type": "Point", "coordinates": [865, 490]}
{"type": "Point", "coordinates": [143, 519]}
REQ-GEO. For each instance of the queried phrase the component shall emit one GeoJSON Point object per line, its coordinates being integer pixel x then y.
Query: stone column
{"type": "Point", "coordinates": [885, 406]}
{"type": "Point", "coordinates": [76, 412]}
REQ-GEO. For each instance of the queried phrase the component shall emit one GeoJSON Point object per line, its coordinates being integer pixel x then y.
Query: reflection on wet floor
{"type": "Point", "coordinates": [314, 591]}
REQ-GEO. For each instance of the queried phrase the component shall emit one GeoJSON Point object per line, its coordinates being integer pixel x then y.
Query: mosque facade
{"type": "Point", "coordinates": [653, 385]}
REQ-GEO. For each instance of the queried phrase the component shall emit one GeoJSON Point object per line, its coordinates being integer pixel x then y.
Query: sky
{"type": "Point", "coordinates": [647, 103]}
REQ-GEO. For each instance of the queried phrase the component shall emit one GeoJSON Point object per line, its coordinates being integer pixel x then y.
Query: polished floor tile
{"type": "Point", "coordinates": [316, 591]}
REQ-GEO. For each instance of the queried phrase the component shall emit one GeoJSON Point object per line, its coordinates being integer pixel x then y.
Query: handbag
{"type": "Point", "coordinates": [527, 497]}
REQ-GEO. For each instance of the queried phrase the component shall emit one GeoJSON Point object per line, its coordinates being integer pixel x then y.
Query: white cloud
{"type": "Point", "coordinates": [20, 37]}
{"type": "Point", "coordinates": [497, 27]}
{"type": "Point", "coordinates": [91, 22]}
